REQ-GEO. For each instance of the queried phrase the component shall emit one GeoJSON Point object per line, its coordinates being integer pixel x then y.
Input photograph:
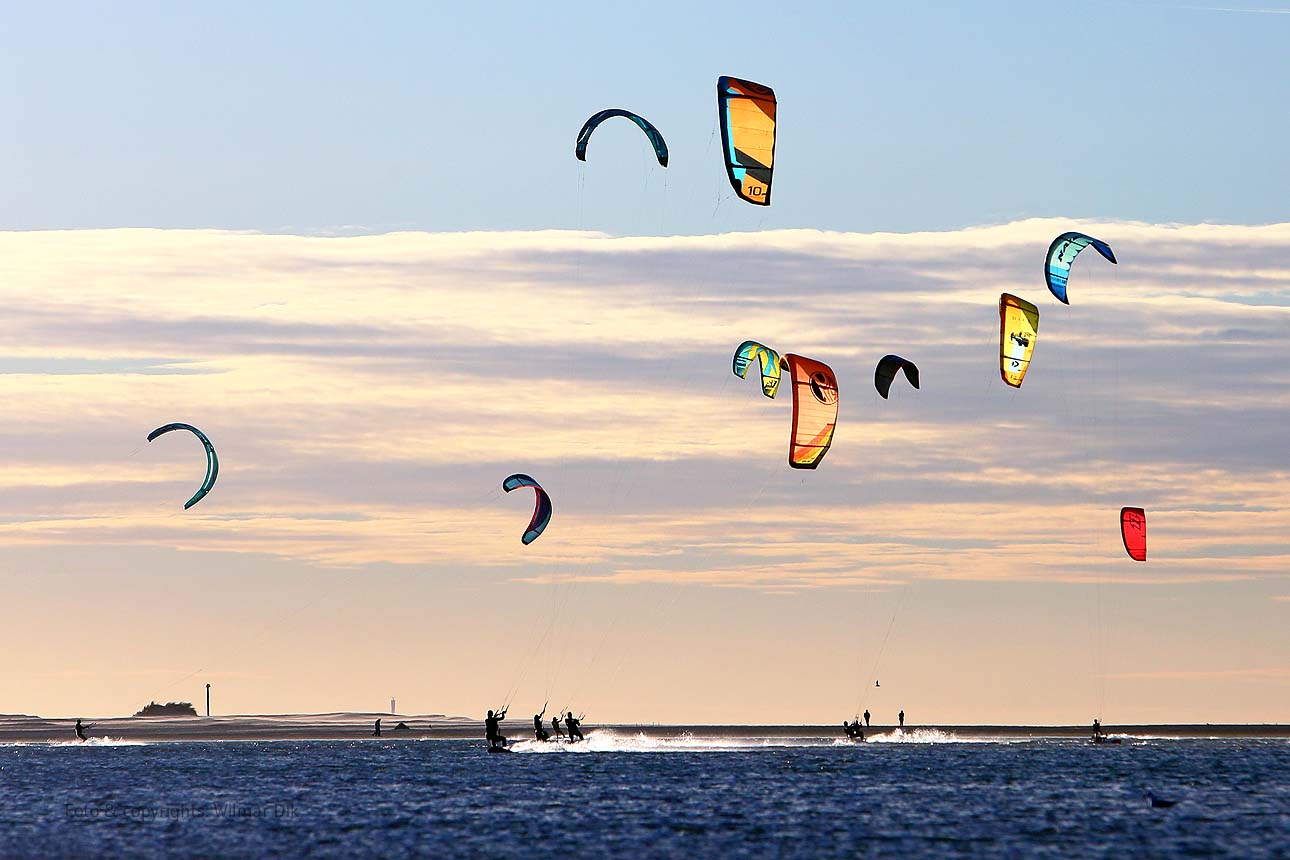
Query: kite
{"type": "Point", "coordinates": [1062, 253]}
{"type": "Point", "coordinates": [1018, 328]}
{"type": "Point", "coordinates": [885, 373]}
{"type": "Point", "coordinates": [747, 113]}
{"type": "Point", "coordinates": [541, 510]}
{"type": "Point", "coordinates": [212, 462]}
{"type": "Point", "coordinates": [1133, 530]}
{"type": "Point", "coordinates": [750, 349]}
{"type": "Point", "coordinates": [655, 138]}
{"type": "Point", "coordinates": [815, 410]}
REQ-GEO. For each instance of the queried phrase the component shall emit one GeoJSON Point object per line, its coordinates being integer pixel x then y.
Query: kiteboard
{"type": "Point", "coordinates": [500, 749]}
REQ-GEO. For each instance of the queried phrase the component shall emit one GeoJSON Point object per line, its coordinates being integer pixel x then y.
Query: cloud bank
{"type": "Point", "coordinates": [367, 395]}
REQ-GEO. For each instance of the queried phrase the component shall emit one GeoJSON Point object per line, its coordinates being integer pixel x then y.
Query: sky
{"type": "Point", "coordinates": [315, 117]}
{"type": "Point", "coordinates": [354, 247]}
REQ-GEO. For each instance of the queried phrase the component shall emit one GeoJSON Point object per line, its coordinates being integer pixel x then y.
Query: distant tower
{"type": "Point", "coordinates": [208, 700]}
{"type": "Point", "coordinates": [392, 709]}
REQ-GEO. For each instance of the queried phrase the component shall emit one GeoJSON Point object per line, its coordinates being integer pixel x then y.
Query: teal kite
{"type": "Point", "coordinates": [1062, 253]}
{"type": "Point", "coordinates": [655, 137]}
{"type": "Point", "coordinates": [212, 461]}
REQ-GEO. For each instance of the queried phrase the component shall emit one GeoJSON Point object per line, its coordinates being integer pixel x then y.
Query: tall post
{"type": "Point", "coordinates": [392, 711]}
{"type": "Point", "coordinates": [208, 700]}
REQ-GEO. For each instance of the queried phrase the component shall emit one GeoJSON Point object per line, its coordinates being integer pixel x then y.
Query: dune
{"type": "Point", "coordinates": [341, 725]}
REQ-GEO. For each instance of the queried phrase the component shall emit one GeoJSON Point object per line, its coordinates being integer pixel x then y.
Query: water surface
{"type": "Point", "coordinates": [922, 795]}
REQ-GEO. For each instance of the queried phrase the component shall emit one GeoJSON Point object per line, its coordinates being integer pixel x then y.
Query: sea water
{"type": "Point", "coordinates": [629, 794]}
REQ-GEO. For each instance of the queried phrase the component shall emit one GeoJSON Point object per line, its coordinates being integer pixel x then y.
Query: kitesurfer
{"type": "Point", "coordinates": [555, 726]}
{"type": "Point", "coordinates": [902, 719]}
{"type": "Point", "coordinates": [492, 729]}
{"type": "Point", "coordinates": [376, 732]}
{"type": "Point", "coordinates": [574, 726]}
{"type": "Point", "coordinates": [80, 730]}
{"type": "Point", "coordinates": [866, 718]}
{"type": "Point", "coordinates": [1098, 737]}
{"type": "Point", "coordinates": [853, 729]}
{"type": "Point", "coordinates": [538, 731]}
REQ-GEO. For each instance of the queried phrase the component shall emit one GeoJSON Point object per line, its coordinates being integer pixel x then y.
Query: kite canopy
{"type": "Point", "coordinates": [815, 410]}
{"type": "Point", "coordinates": [885, 373]}
{"type": "Point", "coordinates": [750, 349]}
{"type": "Point", "coordinates": [212, 462]}
{"type": "Point", "coordinates": [1133, 530]}
{"type": "Point", "coordinates": [1018, 328]}
{"type": "Point", "coordinates": [1062, 253]}
{"type": "Point", "coordinates": [655, 138]}
{"type": "Point", "coordinates": [747, 112]}
{"type": "Point", "coordinates": [541, 510]}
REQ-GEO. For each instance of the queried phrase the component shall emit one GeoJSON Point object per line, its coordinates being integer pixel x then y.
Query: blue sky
{"type": "Point", "coordinates": [319, 118]}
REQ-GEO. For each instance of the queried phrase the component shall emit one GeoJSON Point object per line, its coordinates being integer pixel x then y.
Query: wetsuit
{"type": "Point", "coordinates": [539, 732]}
{"type": "Point", "coordinates": [493, 731]}
{"type": "Point", "coordinates": [574, 726]}
{"type": "Point", "coordinates": [555, 725]}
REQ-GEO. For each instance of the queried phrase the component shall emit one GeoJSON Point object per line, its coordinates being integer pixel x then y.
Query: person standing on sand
{"type": "Point", "coordinates": [902, 719]}
{"type": "Point", "coordinates": [493, 729]}
{"type": "Point", "coordinates": [376, 732]}
{"type": "Point", "coordinates": [866, 718]}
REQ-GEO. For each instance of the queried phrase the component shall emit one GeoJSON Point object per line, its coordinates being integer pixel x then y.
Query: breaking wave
{"type": "Point", "coordinates": [608, 740]}
{"type": "Point", "coordinates": [90, 742]}
{"type": "Point", "coordinates": [930, 736]}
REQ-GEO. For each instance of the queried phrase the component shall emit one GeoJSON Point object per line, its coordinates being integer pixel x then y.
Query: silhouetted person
{"type": "Point", "coordinates": [538, 731]}
{"type": "Point", "coordinates": [1097, 729]}
{"type": "Point", "coordinates": [902, 719]}
{"type": "Point", "coordinates": [853, 729]}
{"type": "Point", "coordinates": [555, 725]}
{"type": "Point", "coordinates": [80, 730]}
{"type": "Point", "coordinates": [866, 718]}
{"type": "Point", "coordinates": [573, 725]}
{"type": "Point", "coordinates": [376, 732]}
{"type": "Point", "coordinates": [493, 728]}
